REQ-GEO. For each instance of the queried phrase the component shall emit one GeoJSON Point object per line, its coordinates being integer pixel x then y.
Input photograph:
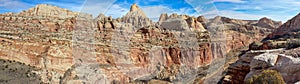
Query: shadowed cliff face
{"type": "Point", "coordinates": [70, 47]}
{"type": "Point", "coordinates": [287, 30]}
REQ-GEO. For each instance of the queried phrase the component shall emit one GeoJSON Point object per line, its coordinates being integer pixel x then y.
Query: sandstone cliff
{"type": "Point", "coordinates": [71, 47]}
{"type": "Point", "coordinates": [287, 30]}
{"type": "Point", "coordinates": [278, 51]}
{"type": "Point", "coordinates": [46, 10]}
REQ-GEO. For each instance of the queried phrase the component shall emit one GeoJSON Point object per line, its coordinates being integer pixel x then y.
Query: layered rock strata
{"type": "Point", "coordinates": [71, 47]}
{"type": "Point", "coordinates": [278, 51]}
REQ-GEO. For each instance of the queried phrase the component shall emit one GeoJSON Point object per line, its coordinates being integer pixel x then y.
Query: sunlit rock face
{"type": "Point", "coordinates": [268, 23]}
{"type": "Point", "coordinates": [286, 31]}
{"type": "Point", "coordinates": [46, 10]}
{"type": "Point", "coordinates": [71, 47]}
{"type": "Point", "coordinates": [253, 62]}
{"type": "Point", "coordinates": [136, 17]}
{"type": "Point", "coordinates": [278, 51]}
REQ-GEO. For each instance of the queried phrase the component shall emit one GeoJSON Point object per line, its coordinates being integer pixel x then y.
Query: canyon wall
{"type": "Point", "coordinates": [71, 47]}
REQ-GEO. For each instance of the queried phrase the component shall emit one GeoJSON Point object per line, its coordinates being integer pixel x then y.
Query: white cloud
{"type": "Point", "coordinates": [258, 8]}
{"type": "Point", "coordinates": [231, 14]}
{"type": "Point", "coordinates": [154, 12]}
{"type": "Point", "coordinates": [232, 1]}
{"type": "Point", "coordinates": [12, 4]}
{"type": "Point", "coordinates": [95, 7]}
{"type": "Point", "coordinates": [210, 14]}
{"type": "Point", "coordinates": [116, 11]}
{"type": "Point", "coordinates": [239, 15]}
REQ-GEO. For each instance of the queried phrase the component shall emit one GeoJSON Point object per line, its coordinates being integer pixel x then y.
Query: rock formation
{"type": "Point", "coordinates": [175, 24]}
{"type": "Point", "coordinates": [268, 23]}
{"type": "Point", "coordinates": [163, 17]}
{"type": "Point", "coordinates": [70, 47]}
{"type": "Point", "coordinates": [178, 22]}
{"type": "Point", "coordinates": [278, 51]}
{"type": "Point", "coordinates": [46, 10]}
{"type": "Point", "coordinates": [287, 30]}
{"type": "Point", "coordinates": [136, 17]}
{"type": "Point", "coordinates": [253, 62]}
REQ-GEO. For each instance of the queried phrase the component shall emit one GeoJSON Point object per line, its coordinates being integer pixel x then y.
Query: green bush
{"type": "Point", "coordinates": [266, 77]}
{"type": "Point", "coordinates": [293, 43]}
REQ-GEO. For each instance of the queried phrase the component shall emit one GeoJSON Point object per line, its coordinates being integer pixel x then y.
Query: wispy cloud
{"type": "Point", "coordinates": [116, 11]}
{"type": "Point", "coordinates": [154, 12]}
{"type": "Point", "coordinates": [70, 6]}
{"type": "Point", "coordinates": [240, 15]}
{"type": "Point", "coordinates": [231, 14]}
{"type": "Point", "coordinates": [275, 9]}
{"type": "Point", "coordinates": [96, 7]}
{"type": "Point", "coordinates": [232, 1]}
{"type": "Point", "coordinates": [13, 5]}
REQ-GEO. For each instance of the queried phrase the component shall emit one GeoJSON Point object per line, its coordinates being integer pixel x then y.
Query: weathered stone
{"type": "Point", "coordinates": [70, 47]}
{"type": "Point", "coordinates": [47, 10]}
{"type": "Point", "coordinates": [287, 30]}
{"type": "Point", "coordinates": [287, 66]}
{"type": "Point", "coordinates": [268, 23]}
{"type": "Point", "coordinates": [163, 17]}
{"type": "Point", "coordinates": [136, 17]}
{"type": "Point", "coordinates": [107, 25]}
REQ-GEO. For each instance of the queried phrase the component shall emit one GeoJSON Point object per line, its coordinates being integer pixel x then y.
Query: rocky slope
{"type": "Point", "coordinates": [71, 47]}
{"type": "Point", "coordinates": [278, 51]}
{"type": "Point", "coordinates": [287, 30]}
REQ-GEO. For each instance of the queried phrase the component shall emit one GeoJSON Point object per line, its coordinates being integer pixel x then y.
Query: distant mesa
{"type": "Point", "coordinates": [47, 10]}
{"type": "Point", "coordinates": [287, 30]}
{"type": "Point", "coordinates": [268, 23]}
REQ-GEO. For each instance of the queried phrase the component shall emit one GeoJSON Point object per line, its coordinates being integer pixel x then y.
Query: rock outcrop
{"type": "Point", "coordinates": [237, 71]}
{"type": "Point", "coordinates": [254, 62]}
{"type": "Point", "coordinates": [238, 33]}
{"type": "Point", "coordinates": [175, 24]}
{"type": "Point", "coordinates": [46, 10]}
{"type": "Point", "coordinates": [178, 22]}
{"type": "Point", "coordinates": [287, 30]}
{"type": "Point", "coordinates": [287, 66]}
{"type": "Point", "coordinates": [163, 17]}
{"type": "Point", "coordinates": [278, 51]}
{"type": "Point", "coordinates": [268, 23]}
{"type": "Point", "coordinates": [136, 17]}
{"type": "Point", "coordinates": [286, 36]}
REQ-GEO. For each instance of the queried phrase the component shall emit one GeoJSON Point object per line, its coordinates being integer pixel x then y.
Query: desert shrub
{"type": "Point", "coordinates": [293, 43]}
{"type": "Point", "coordinates": [281, 44]}
{"type": "Point", "coordinates": [266, 77]}
{"type": "Point", "coordinates": [255, 45]}
{"type": "Point", "coordinates": [6, 66]}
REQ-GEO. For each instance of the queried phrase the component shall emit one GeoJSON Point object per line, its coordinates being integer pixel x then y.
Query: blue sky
{"type": "Point", "coordinates": [280, 10]}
